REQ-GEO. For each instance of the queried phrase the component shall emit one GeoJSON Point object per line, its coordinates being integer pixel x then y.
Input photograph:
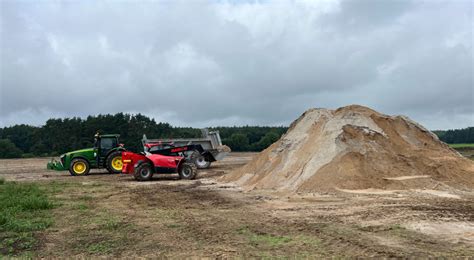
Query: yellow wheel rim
{"type": "Point", "coordinates": [79, 167]}
{"type": "Point", "coordinates": [117, 163]}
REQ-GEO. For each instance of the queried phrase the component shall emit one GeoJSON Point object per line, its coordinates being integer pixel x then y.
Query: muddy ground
{"type": "Point", "coordinates": [114, 216]}
{"type": "Point", "coordinates": [467, 152]}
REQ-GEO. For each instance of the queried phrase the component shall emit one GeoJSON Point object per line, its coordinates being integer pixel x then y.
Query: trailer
{"type": "Point", "coordinates": [212, 148]}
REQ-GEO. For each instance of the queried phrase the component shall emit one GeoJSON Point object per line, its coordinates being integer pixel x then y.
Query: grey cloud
{"type": "Point", "coordinates": [235, 63]}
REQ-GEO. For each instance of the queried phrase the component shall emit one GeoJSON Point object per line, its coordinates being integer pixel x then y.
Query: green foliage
{"type": "Point", "coordinates": [259, 137]}
{"type": "Point", "coordinates": [102, 247]}
{"type": "Point", "coordinates": [8, 149]}
{"type": "Point", "coordinates": [266, 141]}
{"type": "Point", "coordinates": [23, 136]}
{"type": "Point", "coordinates": [238, 142]}
{"type": "Point", "coordinates": [24, 209]}
{"type": "Point", "coordinates": [458, 136]}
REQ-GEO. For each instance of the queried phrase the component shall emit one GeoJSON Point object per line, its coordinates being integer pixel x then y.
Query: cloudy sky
{"type": "Point", "coordinates": [207, 63]}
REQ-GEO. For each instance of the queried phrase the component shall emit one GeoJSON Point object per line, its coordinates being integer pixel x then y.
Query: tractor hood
{"type": "Point", "coordinates": [87, 150]}
{"type": "Point", "coordinates": [65, 159]}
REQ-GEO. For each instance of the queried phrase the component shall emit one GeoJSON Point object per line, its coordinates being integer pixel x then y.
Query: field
{"type": "Point", "coordinates": [461, 146]}
{"type": "Point", "coordinates": [52, 214]}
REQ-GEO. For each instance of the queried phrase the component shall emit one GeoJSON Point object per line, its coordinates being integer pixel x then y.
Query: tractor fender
{"type": "Point", "coordinates": [79, 157]}
{"type": "Point", "coordinates": [113, 150]}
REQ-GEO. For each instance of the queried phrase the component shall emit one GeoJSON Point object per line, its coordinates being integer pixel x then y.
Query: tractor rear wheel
{"type": "Point", "coordinates": [79, 167]}
{"type": "Point", "coordinates": [187, 171]}
{"type": "Point", "coordinates": [143, 172]}
{"type": "Point", "coordinates": [114, 162]}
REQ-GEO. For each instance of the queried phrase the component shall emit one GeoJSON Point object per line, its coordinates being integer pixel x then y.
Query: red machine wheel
{"type": "Point", "coordinates": [144, 172]}
{"type": "Point", "coordinates": [187, 171]}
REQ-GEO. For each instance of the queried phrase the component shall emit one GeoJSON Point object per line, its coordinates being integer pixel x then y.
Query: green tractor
{"type": "Point", "coordinates": [106, 153]}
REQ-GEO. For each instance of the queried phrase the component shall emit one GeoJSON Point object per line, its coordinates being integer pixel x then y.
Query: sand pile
{"type": "Point", "coordinates": [355, 147]}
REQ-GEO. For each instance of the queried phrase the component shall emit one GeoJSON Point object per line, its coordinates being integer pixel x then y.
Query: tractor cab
{"type": "Point", "coordinates": [105, 143]}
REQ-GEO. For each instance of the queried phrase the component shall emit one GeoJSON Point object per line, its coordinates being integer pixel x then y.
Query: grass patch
{"type": "Point", "coordinates": [460, 146]}
{"type": "Point", "coordinates": [24, 210]}
{"type": "Point", "coordinates": [308, 240]}
{"type": "Point", "coordinates": [103, 247]}
{"type": "Point", "coordinates": [57, 187]}
{"type": "Point", "coordinates": [269, 239]}
{"type": "Point", "coordinates": [112, 224]}
{"type": "Point", "coordinates": [173, 225]}
{"type": "Point", "coordinates": [85, 198]}
{"type": "Point", "coordinates": [259, 238]}
{"type": "Point", "coordinates": [101, 235]}
{"type": "Point", "coordinates": [275, 246]}
{"type": "Point", "coordinates": [80, 206]}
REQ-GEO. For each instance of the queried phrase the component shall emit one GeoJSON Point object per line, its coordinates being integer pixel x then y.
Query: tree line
{"type": "Point", "coordinates": [456, 136]}
{"type": "Point", "coordinates": [58, 136]}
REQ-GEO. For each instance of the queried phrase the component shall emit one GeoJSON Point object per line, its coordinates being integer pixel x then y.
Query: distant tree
{"type": "Point", "coordinates": [237, 142]}
{"type": "Point", "coordinates": [458, 136]}
{"type": "Point", "coordinates": [9, 150]}
{"type": "Point", "coordinates": [266, 141]}
{"type": "Point", "coordinates": [21, 135]}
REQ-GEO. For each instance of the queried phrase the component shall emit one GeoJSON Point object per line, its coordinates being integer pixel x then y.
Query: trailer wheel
{"type": "Point", "coordinates": [187, 171]}
{"type": "Point", "coordinates": [79, 167]}
{"type": "Point", "coordinates": [114, 162]}
{"type": "Point", "coordinates": [143, 172]}
{"type": "Point", "coordinates": [202, 163]}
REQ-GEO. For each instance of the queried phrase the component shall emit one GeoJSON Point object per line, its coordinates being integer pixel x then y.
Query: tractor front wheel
{"type": "Point", "coordinates": [187, 171]}
{"type": "Point", "coordinates": [114, 162]}
{"type": "Point", "coordinates": [143, 172]}
{"type": "Point", "coordinates": [79, 167]}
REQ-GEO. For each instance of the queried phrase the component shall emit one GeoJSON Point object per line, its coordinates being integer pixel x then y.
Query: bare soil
{"type": "Point", "coordinates": [103, 215]}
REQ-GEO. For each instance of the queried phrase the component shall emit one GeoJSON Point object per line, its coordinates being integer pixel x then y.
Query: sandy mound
{"type": "Point", "coordinates": [355, 147]}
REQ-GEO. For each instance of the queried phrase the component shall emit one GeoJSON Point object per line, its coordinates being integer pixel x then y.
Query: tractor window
{"type": "Point", "coordinates": [108, 143]}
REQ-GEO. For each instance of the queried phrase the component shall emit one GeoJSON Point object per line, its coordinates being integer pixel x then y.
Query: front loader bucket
{"type": "Point", "coordinates": [55, 165]}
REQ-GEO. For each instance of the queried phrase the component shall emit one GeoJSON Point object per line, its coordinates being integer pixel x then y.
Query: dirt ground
{"type": "Point", "coordinates": [115, 216]}
{"type": "Point", "coordinates": [467, 152]}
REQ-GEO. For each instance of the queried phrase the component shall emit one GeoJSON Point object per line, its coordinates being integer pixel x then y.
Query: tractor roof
{"type": "Point", "coordinates": [109, 135]}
